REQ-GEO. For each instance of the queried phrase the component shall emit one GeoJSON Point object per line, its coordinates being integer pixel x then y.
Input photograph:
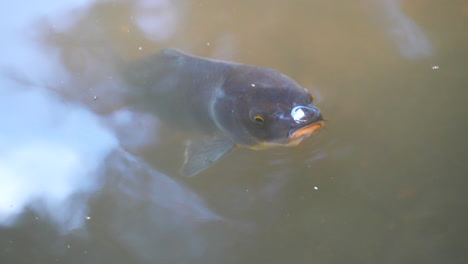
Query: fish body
{"type": "Point", "coordinates": [230, 104]}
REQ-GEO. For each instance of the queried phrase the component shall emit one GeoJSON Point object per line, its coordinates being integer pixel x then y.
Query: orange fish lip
{"type": "Point", "coordinates": [309, 129]}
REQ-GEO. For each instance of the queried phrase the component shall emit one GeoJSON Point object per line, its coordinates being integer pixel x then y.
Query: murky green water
{"type": "Point", "coordinates": [384, 182]}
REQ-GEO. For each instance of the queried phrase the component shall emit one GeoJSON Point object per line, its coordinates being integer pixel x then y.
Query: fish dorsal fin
{"type": "Point", "coordinates": [202, 153]}
{"type": "Point", "coordinates": [172, 53]}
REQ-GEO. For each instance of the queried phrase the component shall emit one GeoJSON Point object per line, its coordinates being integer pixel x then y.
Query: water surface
{"type": "Point", "coordinates": [83, 179]}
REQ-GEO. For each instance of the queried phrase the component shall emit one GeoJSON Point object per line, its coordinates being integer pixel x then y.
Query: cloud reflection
{"type": "Point", "coordinates": [48, 152]}
{"type": "Point", "coordinates": [157, 19]}
{"type": "Point", "coordinates": [407, 35]}
{"type": "Point", "coordinates": [56, 151]}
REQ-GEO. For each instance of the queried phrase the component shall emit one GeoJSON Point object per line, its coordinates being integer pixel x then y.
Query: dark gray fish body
{"type": "Point", "coordinates": [230, 104]}
{"type": "Point", "coordinates": [179, 89]}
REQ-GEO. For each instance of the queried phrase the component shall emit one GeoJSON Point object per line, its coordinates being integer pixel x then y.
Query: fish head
{"type": "Point", "coordinates": [262, 108]}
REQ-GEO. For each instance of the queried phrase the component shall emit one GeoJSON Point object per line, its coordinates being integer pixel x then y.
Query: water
{"type": "Point", "coordinates": [84, 179]}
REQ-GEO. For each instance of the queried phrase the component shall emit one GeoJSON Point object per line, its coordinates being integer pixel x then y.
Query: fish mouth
{"type": "Point", "coordinates": [295, 137]}
{"type": "Point", "coordinates": [306, 130]}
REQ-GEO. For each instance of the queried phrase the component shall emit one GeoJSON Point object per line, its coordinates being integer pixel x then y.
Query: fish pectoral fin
{"type": "Point", "coordinates": [201, 154]}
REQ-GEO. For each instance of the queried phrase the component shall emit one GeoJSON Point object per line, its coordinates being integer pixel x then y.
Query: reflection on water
{"type": "Point", "coordinates": [47, 156]}
{"type": "Point", "coordinates": [85, 179]}
{"type": "Point", "coordinates": [407, 35]}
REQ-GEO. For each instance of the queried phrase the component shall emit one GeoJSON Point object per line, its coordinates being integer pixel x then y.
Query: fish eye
{"type": "Point", "coordinates": [258, 119]}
